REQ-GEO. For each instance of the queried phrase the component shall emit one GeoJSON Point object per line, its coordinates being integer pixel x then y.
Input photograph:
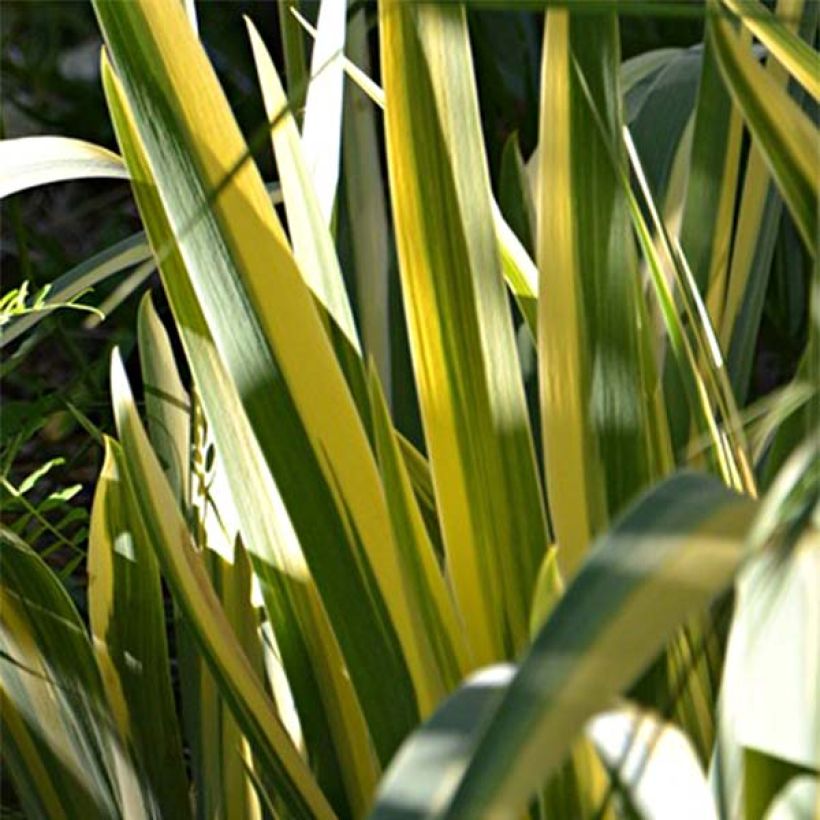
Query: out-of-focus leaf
{"type": "Point", "coordinates": [797, 800]}
{"type": "Point", "coordinates": [418, 782]}
{"type": "Point", "coordinates": [769, 660]}
{"type": "Point", "coordinates": [548, 591]}
{"type": "Point", "coordinates": [764, 778]}
{"type": "Point", "coordinates": [675, 549]}
{"type": "Point", "coordinates": [656, 767]}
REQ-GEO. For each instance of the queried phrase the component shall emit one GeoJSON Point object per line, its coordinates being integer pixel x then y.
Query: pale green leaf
{"type": "Point", "coordinates": [322, 128]}
{"type": "Point", "coordinates": [27, 162]}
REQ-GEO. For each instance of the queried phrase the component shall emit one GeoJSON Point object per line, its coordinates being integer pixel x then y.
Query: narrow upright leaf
{"type": "Point", "coordinates": [470, 390]}
{"type": "Point", "coordinates": [785, 135]}
{"type": "Point", "coordinates": [127, 615]}
{"type": "Point", "coordinates": [322, 130]}
{"type": "Point", "coordinates": [597, 402]}
{"type": "Point", "coordinates": [236, 275]}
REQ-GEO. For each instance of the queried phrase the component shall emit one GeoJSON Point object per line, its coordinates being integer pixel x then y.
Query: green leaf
{"type": "Point", "coordinates": [278, 760]}
{"type": "Point", "coordinates": [275, 379]}
{"type": "Point", "coordinates": [461, 338]}
{"type": "Point", "coordinates": [598, 402]}
{"type": "Point", "coordinates": [786, 136]}
{"type": "Point", "coordinates": [515, 195]}
{"type": "Point", "coordinates": [127, 618]}
{"type": "Point", "coordinates": [293, 48]}
{"type": "Point", "coordinates": [367, 210]}
{"type": "Point", "coordinates": [675, 549]}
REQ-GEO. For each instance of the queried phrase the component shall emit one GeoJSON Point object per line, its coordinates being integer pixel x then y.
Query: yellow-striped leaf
{"type": "Point", "coordinates": [470, 390]}
{"type": "Point", "coordinates": [241, 279]}
{"type": "Point", "coordinates": [127, 616]}
{"type": "Point", "coordinates": [785, 135]}
{"type": "Point", "coordinates": [61, 744]}
{"type": "Point", "coordinates": [596, 381]}
{"type": "Point", "coordinates": [280, 766]}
